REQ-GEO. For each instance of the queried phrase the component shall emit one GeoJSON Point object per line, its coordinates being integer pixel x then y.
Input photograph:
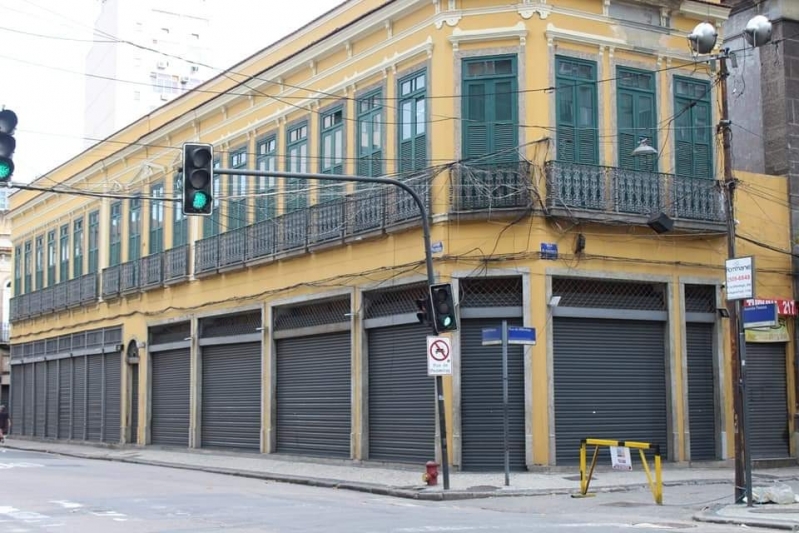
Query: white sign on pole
{"type": "Point", "coordinates": [439, 356]}
{"type": "Point", "coordinates": [620, 458]}
{"type": "Point", "coordinates": [740, 278]}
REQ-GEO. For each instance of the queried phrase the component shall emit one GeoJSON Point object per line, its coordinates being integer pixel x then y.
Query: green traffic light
{"type": "Point", "coordinates": [199, 201]}
{"type": "Point", "coordinates": [447, 320]}
{"type": "Point", "coordinates": [5, 170]}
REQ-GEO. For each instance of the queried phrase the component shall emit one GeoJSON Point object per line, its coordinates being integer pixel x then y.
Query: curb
{"type": "Point", "coordinates": [711, 516]}
{"type": "Point", "coordinates": [421, 494]}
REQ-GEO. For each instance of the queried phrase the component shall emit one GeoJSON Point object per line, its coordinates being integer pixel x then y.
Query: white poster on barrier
{"type": "Point", "coordinates": [620, 458]}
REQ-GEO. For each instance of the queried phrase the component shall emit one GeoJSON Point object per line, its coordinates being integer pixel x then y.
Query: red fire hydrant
{"type": "Point", "coordinates": [431, 475]}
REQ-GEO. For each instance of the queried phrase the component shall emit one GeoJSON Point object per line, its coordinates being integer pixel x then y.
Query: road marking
{"type": "Point", "coordinates": [20, 465]}
{"type": "Point", "coordinates": [118, 517]}
{"type": "Point", "coordinates": [66, 504]}
{"type": "Point", "coordinates": [22, 516]}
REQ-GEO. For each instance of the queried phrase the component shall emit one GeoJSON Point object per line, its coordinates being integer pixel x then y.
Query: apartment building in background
{"type": "Point", "coordinates": [286, 322]}
{"type": "Point", "coordinates": [6, 252]}
{"type": "Point", "coordinates": [179, 29]}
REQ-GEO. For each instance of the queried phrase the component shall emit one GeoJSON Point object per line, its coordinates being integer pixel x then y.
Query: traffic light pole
{"type": "Point", "coordinates": [428, 257]}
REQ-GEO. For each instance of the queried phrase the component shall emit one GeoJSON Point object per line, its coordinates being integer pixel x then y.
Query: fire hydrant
{"type": "Point", "coordinates": [431, 475]}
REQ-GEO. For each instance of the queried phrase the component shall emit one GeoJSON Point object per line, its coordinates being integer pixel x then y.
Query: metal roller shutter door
{"type": "Point", "coordinates": [314, 395]}
{"type": "Point", "coordinates": [65, 398]}
{"type": "Point", "coordinates": [29, 404]}
{"type": "Point", "coordinates": [41, 399]}
{"type": "Point", "coordinates": [171, 381]}
{"type": "Point", "coordinates": [231, 396]}
{"type": "Point", "coordinates": [134, 403]}
{"type": "Point", "coordinates": [701, 391]}
{"type": "Point", "coordinates": [79, 398]}
{"type": "Point", "coordinates": [610, 382]}
{"type": "Point", "coordinates": [402, 421]}
{"type": "Point", "coordinates": [113, 397]}
{"type": "Point", "coordinates": [95, 393]}
{"type": "Point", "coordinates": [51, 426]}
{"type": "Point", "coordinates": [768, 400]}
{"type": "Point", "coordinates": [482, 445]}
{"type": "Point", "coordinates": [17, 399]}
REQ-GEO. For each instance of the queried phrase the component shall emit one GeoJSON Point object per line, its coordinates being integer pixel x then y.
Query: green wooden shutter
{"type": "Point", "coordinates": [577, 138]}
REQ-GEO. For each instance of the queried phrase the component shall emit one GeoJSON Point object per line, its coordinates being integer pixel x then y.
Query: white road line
{"type": "Point", "coordinates": [66, 504]}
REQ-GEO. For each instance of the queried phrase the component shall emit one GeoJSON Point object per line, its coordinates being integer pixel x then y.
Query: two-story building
{"type": "Point", "coordinates": [286, 322]}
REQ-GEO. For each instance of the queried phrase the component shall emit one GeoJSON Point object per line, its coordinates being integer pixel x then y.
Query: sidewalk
{"type": "Point", "coordinates": [781, 517]}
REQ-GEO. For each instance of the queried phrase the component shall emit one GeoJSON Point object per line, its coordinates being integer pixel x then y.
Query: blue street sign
{"type": "Point", "coordinates": [549, 250]}
{"type": "Point", "coordinates": [760, 316]}
{"type": "Point", "coordinates": [492, 336]}
{"type": "Point", "coordinates": [521, 335]}
{"type": "Point", "coordinates": [437, 247]}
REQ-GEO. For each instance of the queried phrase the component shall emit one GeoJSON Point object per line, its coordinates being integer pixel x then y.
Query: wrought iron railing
{"type": "Point", "coordinates": [609, 190]}
{"type": "Point", "coordinates": [68, 294]}
{"type": "Point", "coordinates": [176, 264]}
{"type": "Point", "coordinates": [111, 281]}
{"type": "Point", "coordinates": [151, 271]}
{"type": "Point", "coordinates": [480, 187]}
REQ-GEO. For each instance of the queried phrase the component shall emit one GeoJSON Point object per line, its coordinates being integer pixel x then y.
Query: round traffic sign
{"type": "Point", "coordinates": [439, 350]}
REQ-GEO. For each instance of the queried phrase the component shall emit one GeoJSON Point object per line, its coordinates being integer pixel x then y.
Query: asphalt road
{"type": "Point", "coordinates": [40, 492]}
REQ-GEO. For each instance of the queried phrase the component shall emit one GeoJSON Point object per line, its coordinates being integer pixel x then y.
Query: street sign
{"type": "Point", "coordinates": [784, 306]}
{"type": "Point", "coordinates": [549, 251]}
{"type": "Point", "coordinates": [439, 356]}
{"type": "Point", "coordinates": [437, 247]}
{"type": "Point", "coordinates": [492, 336]}
{"type": "Point", "coordinates": [521, 335]}
{"type": "Point", "coordinates": [740, 278]}
{"type": "Point", "coordinates": [760, 316]}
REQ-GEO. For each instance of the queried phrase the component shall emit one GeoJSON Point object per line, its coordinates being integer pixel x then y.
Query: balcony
{"type": "Point", "coordinates": [489, 187]}
{"type": "Point", "coordinates": [609, 193]}
{"type": "Point", "coordinates": [69, 294]}
{"type": "Point", "coordinates": [176, 265]}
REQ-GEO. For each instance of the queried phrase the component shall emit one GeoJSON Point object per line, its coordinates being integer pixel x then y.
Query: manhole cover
{"type": "Point", "coordinates": [626, 504]}
{"type": "Point", "coordinates": [483, 488]}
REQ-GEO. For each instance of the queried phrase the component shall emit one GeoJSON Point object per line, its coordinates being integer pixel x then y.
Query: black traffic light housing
{"type": "Point", "coordinates": [198, 179]}
{"type": "Point", "coordinates": [423, 311]}
{"type": "Point", "coordinates": [8, 123]}
{"type": "Point", "coordinates": [443, 306]}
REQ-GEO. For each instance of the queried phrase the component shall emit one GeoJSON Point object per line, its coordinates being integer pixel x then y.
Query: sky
{"type": "Point", "coordinates": [43, 47]}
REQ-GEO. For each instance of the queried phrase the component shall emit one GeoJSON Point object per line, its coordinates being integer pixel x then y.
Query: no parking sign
{"type": "Point", "coordinates": [439, 356]}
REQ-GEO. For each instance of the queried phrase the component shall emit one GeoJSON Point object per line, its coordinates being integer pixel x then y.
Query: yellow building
{"type": "Point", "coordinates": [286, 322]}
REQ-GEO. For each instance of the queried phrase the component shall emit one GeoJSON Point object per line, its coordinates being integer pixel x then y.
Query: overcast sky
{"type": "Point", "coordinates": [49, 99]}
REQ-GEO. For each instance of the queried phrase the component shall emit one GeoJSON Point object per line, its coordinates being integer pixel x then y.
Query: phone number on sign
{"type": "Point", "coordinates": [742, 277]}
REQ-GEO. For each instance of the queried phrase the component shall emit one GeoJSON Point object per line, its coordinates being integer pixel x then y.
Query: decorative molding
{"type": "Point", "coordinates": [450, 18]}
{"type": "Point", "coordinates": [519, 31]}
{"type": "Point", "coordinates": [348, 46]}
{"type": "Point", "coordinates": [224, 110]}
{"type": "Point", "coordinates": [389, 29]}
{"type": "Point", "coordinates": [606, 8]}
{"type": "Point", "coordinates": [665, 13]}
{"type": "Point", "coordinates": [312, 66]}
{"type": "Point", "coordinates": [694, 9]}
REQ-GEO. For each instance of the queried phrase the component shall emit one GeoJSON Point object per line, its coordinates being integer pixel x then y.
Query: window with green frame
{"type": "Point", "coordinates": [63, 254]}
{"type": "Point", "coordinates": [636, 107]}
{"type": "Point", "coordinates": [295, 193]}
{"type": "Point", "coordinates": [52, 258]}
{"type": "Point", "coordinates": [39, 262]}
{"type": "Point", "coordinates": [156, 241]}
{"type": "Point", "coordinates": [115, 240]}
{"type": "Point", "coordinates": [18, 289]}
{"type": "Point", "coordinates": [331, 138]}
{"type": "Point", "coordinates": [212, 223]}
{"type": "Point", "coordinates": [693, 130]}
{"type": "Point", "coordinates": [370, 135]}
{"type": "Point", "coordinates": [266, 188]}
{"type": "Point", "coordinates": [180, 223]}
{"type": "Point", "coordinates": [94, 242]}
{"type": "Point", "coordinates": [134, 229]}
{"type": "Point", "coordinates": [28, 266]}
{"type": "Point", "coordinates": [237, 189]}
{"type": "Point", "coordinates": [491, 109]}
{"type": "Point", "coordinates": [412, 123]}
{"type": "Point", "coordinates": [577, 137]}
{"type": "Point", "coordinates": [77, 246]}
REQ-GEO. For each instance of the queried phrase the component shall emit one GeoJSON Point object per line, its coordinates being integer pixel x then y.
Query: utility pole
{"type": "Point", "coordinates": [428, 256]}
{"type": "Point", "coordinates": [743, 461]}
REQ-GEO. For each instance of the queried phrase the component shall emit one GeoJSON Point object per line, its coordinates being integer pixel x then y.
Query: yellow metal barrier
{"type": "Point", "coordinates": [585, 479]}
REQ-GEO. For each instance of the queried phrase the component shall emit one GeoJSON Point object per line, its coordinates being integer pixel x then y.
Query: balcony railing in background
{"type": "Point", "coordinates": [68, 294]}
{"type": "Point", "coordinates": [591, 191]}
{"type": "Point", "coordinates": [482, 187]}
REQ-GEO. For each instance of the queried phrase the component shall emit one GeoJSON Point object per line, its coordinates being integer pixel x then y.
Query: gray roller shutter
{"type": "Point", "coordinates": [701, 391]}
{"type": "Point", "coordinates": [231, 396]}
{"type": "Point", "coordinates": [610, 382]}
{"type": "Point", "coordinates": [401, 395]}
{"type": "Point", "coordinates": [95, 393]}
{"type": "Point", "coordinates": [17, 399]}
{"type": "Point", "coordinates": [30, 399]}
{"type": "Point", "coordinates": [768, 400]}
{"type": "Point", "coordinates": [134, 403]}
{"type": "Point", "coordinates": [314, 395]}
{"type": "Point", "coordinates": [79, 398]}
{"type": "Point", "coordinates": [170, 398]}
{"type": "Point", "coordinates": [482, 445]}
{"type": "Point", "coordinates": [64, 398]}
{"type": "Point", "coordinates": [51, 426]}
{"type": "Point", "coordinates": [41, 399]}
{"type": "Point", "coordinates": [113, 396]}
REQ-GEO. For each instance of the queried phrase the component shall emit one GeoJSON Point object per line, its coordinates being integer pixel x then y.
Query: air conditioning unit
{"type": "Point", "coordinates": [162, 64]}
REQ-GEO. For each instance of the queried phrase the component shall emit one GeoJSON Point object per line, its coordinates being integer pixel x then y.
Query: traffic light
{"type": "Point", "coordinates": [422, 314]}
{"type": "Point", "coordinates": [443, 307]}
{"type": "Point", "coordinates": [8, 123]}
{"type": "Point", "coordinates": [198, 179]}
